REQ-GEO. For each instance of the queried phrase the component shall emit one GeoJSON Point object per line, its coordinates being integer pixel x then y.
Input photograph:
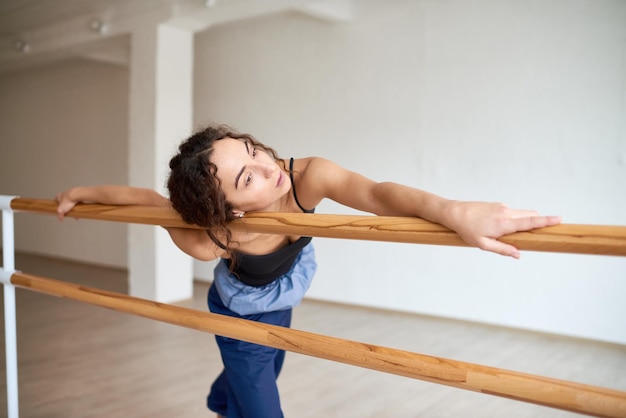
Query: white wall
{"type": "Point", "coordinates": [516, 101]}
{"type": "Point", "coordinates": [65, 125]}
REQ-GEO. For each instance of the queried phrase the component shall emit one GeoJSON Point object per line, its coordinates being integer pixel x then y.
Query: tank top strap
{"type": "Point", "coordinates": [293, 188]}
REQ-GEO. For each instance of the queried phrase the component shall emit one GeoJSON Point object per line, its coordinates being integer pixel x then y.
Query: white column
{"type": "Point", "coordinates": [161, 71]}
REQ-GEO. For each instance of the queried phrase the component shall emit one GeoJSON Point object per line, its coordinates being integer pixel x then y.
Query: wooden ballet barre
{"type": "Point", "coordinates": [560, 394]}
{"type": "Point", "coordinates": [564, 238]}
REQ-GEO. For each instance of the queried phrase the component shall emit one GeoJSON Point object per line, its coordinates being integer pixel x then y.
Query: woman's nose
{"type": "Point", "coordinates": [268, 169]}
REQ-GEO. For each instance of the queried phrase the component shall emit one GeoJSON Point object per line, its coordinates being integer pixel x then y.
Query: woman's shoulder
{"type": "Point", "coordinates": [314, 179]}
{"type": "Point", "coordinates": [314, 172]}
{"type": "Point", "coordinates": [312, 165]}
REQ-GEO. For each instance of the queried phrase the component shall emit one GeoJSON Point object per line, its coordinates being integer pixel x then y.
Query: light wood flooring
{"type": "Point", "coordinates": [77, 360]}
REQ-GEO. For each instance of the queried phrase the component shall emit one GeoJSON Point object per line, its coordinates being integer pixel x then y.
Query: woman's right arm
{"type": "Point", "coordinates": [108, 195]}
{"type": "Point", "coordinates": [194, 242]}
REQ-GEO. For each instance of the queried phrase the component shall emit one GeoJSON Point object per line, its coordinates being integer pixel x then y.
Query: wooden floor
{"type": "Point", "coordinates": [77, 360]}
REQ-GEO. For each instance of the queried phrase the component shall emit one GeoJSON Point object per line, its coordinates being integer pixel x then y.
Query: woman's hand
{"type": "Point", "coordinates": [66, 203]}
{"type": "Point", "coordinates": [481, 224]}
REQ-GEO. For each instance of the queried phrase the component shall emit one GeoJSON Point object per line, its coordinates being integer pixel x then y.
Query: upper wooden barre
{"type": "Point", "coordinates": [564, 238]}
{"type": "Point", "coordinates": [575, 397]}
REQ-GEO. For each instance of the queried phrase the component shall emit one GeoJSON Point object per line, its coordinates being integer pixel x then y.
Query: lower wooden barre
{"type": "Point", "coordinates": [544, 391]}
{"type": "Point", "coordinates": [579, 239]}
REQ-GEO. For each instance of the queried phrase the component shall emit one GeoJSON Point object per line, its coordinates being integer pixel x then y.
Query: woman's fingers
{"type": "Point", "coordinates": [516, 224]}
{"type": "Point", "coordinates": [531, 222]}
{"type": "Point", "coordinates": [498, 247]}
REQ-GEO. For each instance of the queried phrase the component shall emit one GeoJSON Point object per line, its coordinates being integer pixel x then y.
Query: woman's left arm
{"type": "Point", "coordinates": [479, 224]}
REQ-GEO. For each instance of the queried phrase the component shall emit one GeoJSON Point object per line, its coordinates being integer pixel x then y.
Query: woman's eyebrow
{"type": "Point", "coordinates": [243, 168]}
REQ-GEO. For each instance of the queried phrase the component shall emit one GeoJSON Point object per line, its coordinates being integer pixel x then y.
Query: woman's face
{"type": "Point", "coordinates": [250, 178]}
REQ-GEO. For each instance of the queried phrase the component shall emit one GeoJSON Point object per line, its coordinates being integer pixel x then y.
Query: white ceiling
{"type": "Point", "coordinates": [18, 17]}
{"type": "Point", "coordinates": [57, 29]}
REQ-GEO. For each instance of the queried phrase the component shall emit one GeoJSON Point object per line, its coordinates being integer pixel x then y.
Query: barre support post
{"type": "Point", "coordinates": [10, 327]}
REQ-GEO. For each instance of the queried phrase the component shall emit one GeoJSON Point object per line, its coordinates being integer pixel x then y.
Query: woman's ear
{"type": "Point", "coordinates": [238, 214]}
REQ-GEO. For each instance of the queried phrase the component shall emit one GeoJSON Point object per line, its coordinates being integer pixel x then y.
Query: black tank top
{"type": "Point", "coordinates": [260, 270]}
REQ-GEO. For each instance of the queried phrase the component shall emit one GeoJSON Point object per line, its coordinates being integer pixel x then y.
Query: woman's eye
{"type": "Point", "coordinates": [248, 179]}
{"type": "Point", "coordinates": [253, 152]}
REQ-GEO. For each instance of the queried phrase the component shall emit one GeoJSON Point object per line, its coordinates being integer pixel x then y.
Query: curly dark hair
{"type": "Point", "coordinates": [195, 190]}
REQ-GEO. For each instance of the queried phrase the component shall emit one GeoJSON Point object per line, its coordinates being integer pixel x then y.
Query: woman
{"type": "Point", "coordinates": [219, 175]}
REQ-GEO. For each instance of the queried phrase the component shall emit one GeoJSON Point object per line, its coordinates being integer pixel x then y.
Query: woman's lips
{"type": "Point", "coordinates": [280, 179]}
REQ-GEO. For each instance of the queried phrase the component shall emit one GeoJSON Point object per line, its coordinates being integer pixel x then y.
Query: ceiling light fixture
{"type": "Point", "coordinates": [21, 45]}
{"type": "Point", "coordinates": [98, 26]}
